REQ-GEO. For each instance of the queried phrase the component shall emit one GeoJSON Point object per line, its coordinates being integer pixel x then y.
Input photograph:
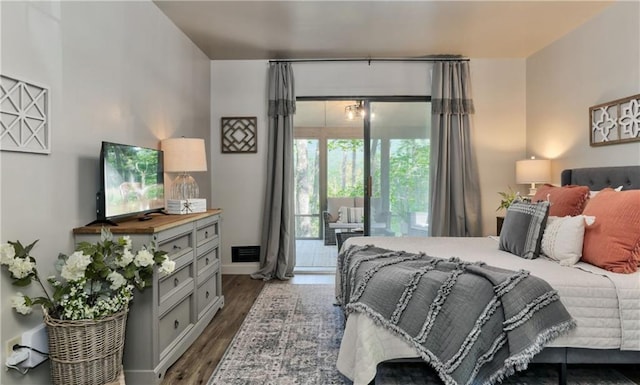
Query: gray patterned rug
{"type": "Point", "coordinates": [292, 335]}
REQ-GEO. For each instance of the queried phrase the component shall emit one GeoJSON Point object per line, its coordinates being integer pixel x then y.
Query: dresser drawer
{"type": "Point", "coordinates": [174, 324]}
{"type": "Point", "coordinates": [207, 294]}
{"type": "Point", "coordinates": [207, 263]}
{"type": "Point", "coordinates": [207, 234]}
{"type": "Point", "coordinates": [181, 277]}
{"type": "Point", "coordinates": [178, 245]}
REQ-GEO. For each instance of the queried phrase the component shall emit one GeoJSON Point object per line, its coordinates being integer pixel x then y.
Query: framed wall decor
{"type": "Point", "coordinates": [239, 135]}
{"type": "Point", "coordinates": [25, 124]}
{"type": "Point", "coordinates": [615, 122]}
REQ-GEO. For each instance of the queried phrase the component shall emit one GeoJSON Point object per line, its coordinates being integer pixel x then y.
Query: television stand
{"type": "Point", "coordinates": [103, 222]}
{"type": "Point", "coordinates": [174, 311]}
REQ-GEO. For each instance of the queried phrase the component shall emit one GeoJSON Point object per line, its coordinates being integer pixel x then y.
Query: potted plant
{"type": "Point", "coordinates": [508, 197]}
{"type": "Point", "coordinates": [88, 302]}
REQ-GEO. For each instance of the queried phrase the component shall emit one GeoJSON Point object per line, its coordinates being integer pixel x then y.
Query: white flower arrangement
{"type": "Point", "coordinates": [95, 281]}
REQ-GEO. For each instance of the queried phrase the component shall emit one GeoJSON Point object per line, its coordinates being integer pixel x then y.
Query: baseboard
{"type": "Point", "coordinates": [241, 268]}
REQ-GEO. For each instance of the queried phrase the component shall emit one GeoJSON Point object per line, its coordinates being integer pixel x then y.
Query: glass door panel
{"type": "Point", "coordinates": [345, 168]}
{"type": "Point", "coordinates": [399, 168]}
{"type": "Point", "coordinates": [306, 165]}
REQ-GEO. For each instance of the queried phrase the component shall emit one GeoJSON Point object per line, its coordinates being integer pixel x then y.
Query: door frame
{"type": "Point", "coordinates": [367, 145]}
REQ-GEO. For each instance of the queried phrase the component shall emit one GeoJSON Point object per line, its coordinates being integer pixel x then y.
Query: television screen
{"type": "Point", "coordinates": [132, 181]}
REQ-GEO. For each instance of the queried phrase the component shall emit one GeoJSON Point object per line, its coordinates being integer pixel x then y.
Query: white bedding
{"type": "Point", "coordinates": [605, 305]}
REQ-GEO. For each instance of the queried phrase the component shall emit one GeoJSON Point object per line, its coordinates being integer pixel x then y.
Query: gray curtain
{"type": "Point", "coordinates": [278, 256]}
{"type": "Point", "coordinates": [454, 208]}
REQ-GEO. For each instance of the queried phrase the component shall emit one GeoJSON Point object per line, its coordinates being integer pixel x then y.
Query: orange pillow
{"type": "Point", "coordinates": [566, 200]}
{"type": "Point", "coordinates": [613, 241]}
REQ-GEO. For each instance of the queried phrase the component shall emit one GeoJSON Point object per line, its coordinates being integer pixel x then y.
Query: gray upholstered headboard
{"type": "Point", "coordinates": [598, 178]}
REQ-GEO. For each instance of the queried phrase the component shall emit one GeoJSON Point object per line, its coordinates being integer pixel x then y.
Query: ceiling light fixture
{"type": "Point", "coordinates": [354, 111]}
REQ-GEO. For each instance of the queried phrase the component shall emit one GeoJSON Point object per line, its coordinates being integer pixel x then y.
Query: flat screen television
{"type": "Point", "coordinates": [131, 182]}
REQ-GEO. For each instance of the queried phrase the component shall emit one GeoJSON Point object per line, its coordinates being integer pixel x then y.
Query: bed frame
{"type": "Point", "coordinates": [596, 178]}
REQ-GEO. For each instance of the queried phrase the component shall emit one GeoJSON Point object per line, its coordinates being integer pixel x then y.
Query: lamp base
{"type": "Point", "coordinates": [184, 187]}
{"type": "Point", "coordinates": [532, 190]}
{"type": "Point", "coordinates": [186, 206]}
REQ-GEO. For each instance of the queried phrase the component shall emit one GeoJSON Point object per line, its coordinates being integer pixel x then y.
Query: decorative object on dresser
{"type": "Point", "coordinates": [532, 171]}
{"type": "Point", "coordinates": [24, 116]}
{"type": "Point", "coordinates": [613, 122]}
{"type": "Point", "coordinates": [184, 155]}
{"type": "Point", "coordinates": [165, 321]}
{"type": "Point", "coordinates": [239, 134]}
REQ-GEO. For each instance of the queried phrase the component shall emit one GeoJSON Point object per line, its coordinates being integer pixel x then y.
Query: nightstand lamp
{"type": "Point", "coordinates": [533, 171]}
{"type": "Point", "coordinates": [184, 155]}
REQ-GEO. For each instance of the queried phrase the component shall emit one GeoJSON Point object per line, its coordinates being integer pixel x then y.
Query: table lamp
{"type": "Point", "coordinates": [533, 171]}
{"type": "Point", "coordinates": [184, 155]}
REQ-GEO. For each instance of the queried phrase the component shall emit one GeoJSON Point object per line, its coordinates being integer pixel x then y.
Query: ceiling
{"type": "Point", "coordinates": [307, 29]}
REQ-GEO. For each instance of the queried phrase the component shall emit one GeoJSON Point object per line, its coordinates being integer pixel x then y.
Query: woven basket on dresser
{"type": "Point", "coordinates": [86, 352]}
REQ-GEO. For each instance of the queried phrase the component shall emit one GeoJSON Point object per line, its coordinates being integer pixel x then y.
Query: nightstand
{"type": "Point", "coordinates": [499, 221]}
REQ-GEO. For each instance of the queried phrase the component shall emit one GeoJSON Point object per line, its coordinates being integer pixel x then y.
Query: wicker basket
{"type": "Point", "coordinates": [86, 352]}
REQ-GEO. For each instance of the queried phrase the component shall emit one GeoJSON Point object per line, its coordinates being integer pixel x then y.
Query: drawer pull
{"type": "Point", "coordinates": [176, 247]}
{"type": "Point", "coordinates": [206, 234]}
{"type": "Point", "coordinates": [176, 324]}
{"type": "Point", "coordinates": [176, 281]}
{"type": "Point", "coordinates": [206, 295]}
{"type": "Point", "coordinates": [206, 261]}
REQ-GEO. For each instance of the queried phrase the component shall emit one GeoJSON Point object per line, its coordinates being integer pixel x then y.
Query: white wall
{"type": "Point", "coordinates": [596, 63]}
{"type": "Point", "coordinates": [118, 71]}
{"type": "Point", "coordinates": [499, 128]}
{"type": "Point", "coordinates": [239, 88]}
{"type": "Point", "coordinates": [361, 78]}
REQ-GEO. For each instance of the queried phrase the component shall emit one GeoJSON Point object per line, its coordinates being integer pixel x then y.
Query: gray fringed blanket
{"type": "Point", "coordinates": [473, 323]}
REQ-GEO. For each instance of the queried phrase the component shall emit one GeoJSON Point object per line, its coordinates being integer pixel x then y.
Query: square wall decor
{"type": "Point", "coordinates": [615, 122]}
{"type": "Point", "coordinates": [239, 134]}
{"type": "Point", "coordinates": [24, 116]}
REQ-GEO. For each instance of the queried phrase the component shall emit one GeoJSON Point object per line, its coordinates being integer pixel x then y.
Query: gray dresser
{"type": "Point", "coordinates": [166, 319]}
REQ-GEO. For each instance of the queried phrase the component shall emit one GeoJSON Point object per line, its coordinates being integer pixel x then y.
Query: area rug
{"type": "Point", "coordinates": [292, 335]}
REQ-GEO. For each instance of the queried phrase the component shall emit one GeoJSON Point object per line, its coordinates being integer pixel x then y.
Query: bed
{"type": "Point", "coordinates": [605, 305]}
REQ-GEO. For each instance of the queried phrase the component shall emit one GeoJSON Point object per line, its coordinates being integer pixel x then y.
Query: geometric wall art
{"type": "Point", "coordinates": [25, 124]}
{"type": "Point", "coordinates": [239, 134]}
{"type": "Point", "coordinates": [615, 122]}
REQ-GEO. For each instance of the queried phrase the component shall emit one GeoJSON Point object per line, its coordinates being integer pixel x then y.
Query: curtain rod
{"type": "Point", "coordinates": [369, 60]}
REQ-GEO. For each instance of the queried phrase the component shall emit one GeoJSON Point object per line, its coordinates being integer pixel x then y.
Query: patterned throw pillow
{"type": "Point", "coordinates": [523, 227]}
{"type": "Point", "coordinates": [350, 214]}
{"type": "Point", "coordinates": [563, 237]}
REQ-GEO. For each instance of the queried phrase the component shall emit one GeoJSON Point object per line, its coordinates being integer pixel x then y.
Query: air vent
{"type": "Point", "coordinates": [245, 254]}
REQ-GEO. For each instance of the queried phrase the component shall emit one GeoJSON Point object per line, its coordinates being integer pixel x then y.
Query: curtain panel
{"type": "Point", "coordinates": [454, 183]}
{"type": "Point", "coordinates": [278, 258]}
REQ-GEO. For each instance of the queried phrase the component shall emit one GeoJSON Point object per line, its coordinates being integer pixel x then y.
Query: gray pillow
{"type": "Point", "coordinates": [523, 227]}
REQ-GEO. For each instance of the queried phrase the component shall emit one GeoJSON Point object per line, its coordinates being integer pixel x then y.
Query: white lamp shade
{"type": "Point", "coordinates": [184, 155]}
{"type": "Point", "coordinates": [533, 171]}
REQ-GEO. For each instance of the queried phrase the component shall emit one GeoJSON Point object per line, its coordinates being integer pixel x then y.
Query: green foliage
{"type": "Point", "coordinates": [95, 281]}
{"type": "Point", "coordinates": [508, 197]}
{"type": "Point", "coordinates": [409, 177]}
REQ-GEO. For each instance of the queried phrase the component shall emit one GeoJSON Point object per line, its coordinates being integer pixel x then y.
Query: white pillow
{"type": "Point", "coordinates": [563, 236]}
{"type": "Point", "coordinates": [350, 214]}
{"type": "Point", "coordinates": [594, 193]}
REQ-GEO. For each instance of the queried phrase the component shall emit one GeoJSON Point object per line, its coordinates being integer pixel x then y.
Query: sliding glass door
{"type": "Point", "coordinates": [361, 167]}
{"type": "Point", "coordinates": [397, 133]}
{"type": "Point", "coordinates": [306, 164]}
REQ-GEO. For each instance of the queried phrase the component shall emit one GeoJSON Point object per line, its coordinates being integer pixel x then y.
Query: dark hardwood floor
{"type": "Point", "coordinates": [199, 361]}
{"type": "Point", "coordinates": [240, 291]}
